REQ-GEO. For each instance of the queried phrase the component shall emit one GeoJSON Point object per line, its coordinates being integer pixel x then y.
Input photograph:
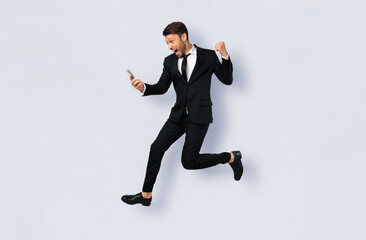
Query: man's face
{"type": "Point", "coordinates": [176, 43]}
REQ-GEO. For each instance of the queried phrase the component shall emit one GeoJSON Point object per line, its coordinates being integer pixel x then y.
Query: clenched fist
{"type": "Point", "coordinates": [137, 83]}
{"type": "Point", "coordinates": [220, 47]}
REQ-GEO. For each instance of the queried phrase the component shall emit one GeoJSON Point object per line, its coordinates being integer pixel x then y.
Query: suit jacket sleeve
{"type": "Point", "coordinates": [162, 85]}
{"type": "Point", "coordinates": [224, 70]}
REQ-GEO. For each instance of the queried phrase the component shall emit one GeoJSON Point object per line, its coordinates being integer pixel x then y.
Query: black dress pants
{"type": "Point", "coordinates": [191, 158]}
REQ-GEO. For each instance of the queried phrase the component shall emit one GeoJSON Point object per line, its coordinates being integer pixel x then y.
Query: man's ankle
{"type": "Point", "coordinates": [146, 195]}
{"type": "Point", "coordinates": [232, 158]}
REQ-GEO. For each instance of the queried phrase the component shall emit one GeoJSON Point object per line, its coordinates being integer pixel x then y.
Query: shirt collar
{"type": "Point", "coordinates": [193, 50]}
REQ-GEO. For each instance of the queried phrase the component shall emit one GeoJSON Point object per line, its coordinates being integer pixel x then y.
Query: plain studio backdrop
{"type": "Point", "coordinates": [75, 136]}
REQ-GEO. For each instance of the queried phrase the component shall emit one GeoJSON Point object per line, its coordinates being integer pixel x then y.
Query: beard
{"type": "Point", "coordinates": [182, 49]}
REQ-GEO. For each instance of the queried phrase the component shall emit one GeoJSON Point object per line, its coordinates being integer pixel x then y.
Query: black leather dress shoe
{"type": "Point", "coordinates": [138, 198]}
{"type": "Point", "coordinates": [237, 165]}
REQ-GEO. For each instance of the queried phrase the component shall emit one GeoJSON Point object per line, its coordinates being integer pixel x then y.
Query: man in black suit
{"type": "Point", "coordinates": [190, 69]}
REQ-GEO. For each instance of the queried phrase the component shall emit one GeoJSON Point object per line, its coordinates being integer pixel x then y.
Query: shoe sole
{"type": "Point", "coordinates": [241, 163]}
{"type": "Point", "coordinates": [143, 204]}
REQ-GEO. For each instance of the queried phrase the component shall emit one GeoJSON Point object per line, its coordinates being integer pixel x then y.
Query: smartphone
{"type": "Point", "coordinates": [130, 73]}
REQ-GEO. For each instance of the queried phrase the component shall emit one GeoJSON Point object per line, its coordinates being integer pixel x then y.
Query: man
{"type": "Point", "coordinates": [190, 69]}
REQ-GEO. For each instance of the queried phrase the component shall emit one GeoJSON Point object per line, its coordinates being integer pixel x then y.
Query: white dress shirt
{"type": "Point", "coordinates": [191, 62]}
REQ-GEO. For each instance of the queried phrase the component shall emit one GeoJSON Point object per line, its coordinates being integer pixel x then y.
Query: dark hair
{"type": "Point", "coordinates": [175, 28]}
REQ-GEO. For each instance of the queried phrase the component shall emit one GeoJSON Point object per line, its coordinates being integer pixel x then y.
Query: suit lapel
{"type": "Point", "coordinates": [175, 67]}
{"type": "Point", "coordinates": [199, 62]}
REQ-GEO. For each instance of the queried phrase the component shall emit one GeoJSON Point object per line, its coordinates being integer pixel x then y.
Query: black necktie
{"type": "Point", "coordinates": [184, 67]}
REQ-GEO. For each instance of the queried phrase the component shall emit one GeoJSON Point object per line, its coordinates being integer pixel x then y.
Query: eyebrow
{"type": "Point", "coordinates": [170, 39]}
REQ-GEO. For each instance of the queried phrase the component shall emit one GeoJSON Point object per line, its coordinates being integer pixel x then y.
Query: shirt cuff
{"type": "Point", "coordinates": [143, 91]}
{"type": "Point", "coordinates": [226, 58]}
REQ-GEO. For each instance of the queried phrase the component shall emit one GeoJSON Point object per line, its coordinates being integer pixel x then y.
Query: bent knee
{"type": "Point", "coordinates": [188, 166]}
{"type": "Point", "coordinates": [189, 163]}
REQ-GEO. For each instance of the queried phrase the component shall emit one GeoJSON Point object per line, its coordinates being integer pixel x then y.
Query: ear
{"type": "Point", "coordinates": [184, 37]}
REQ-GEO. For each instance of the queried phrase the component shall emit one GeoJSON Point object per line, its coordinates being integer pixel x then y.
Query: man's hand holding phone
{"type": "Point", "coordinates": [136, 83]}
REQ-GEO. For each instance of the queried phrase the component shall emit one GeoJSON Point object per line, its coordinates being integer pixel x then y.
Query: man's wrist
{"type": "Point", "coordinates": [226, 57]}
{"type": "Point", "coordinates": [143, 91]}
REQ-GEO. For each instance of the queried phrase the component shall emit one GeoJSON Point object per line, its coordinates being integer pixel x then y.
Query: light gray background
{"type": "Point", "coordinates": [74, 135]}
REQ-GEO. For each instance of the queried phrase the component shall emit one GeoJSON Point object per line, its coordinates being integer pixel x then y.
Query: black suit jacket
{"type": "Point", "coordinates": [195, 93]}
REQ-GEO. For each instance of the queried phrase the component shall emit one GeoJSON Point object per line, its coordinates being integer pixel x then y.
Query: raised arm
{"type": "Point", "coordinates": [224, 70]}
